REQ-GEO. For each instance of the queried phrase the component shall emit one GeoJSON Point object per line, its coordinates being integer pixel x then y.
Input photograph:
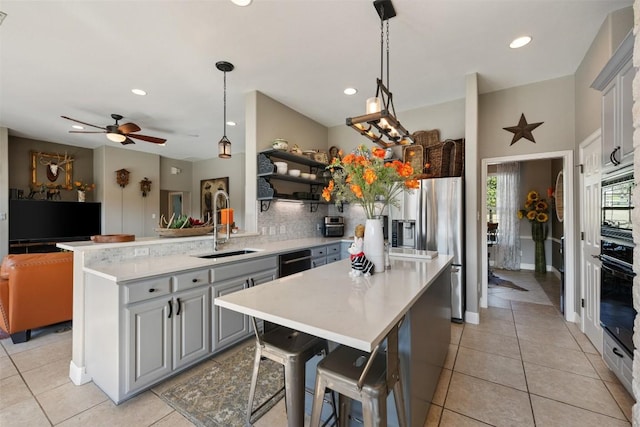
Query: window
{"type": "Point", "coordinates": [492, 185]}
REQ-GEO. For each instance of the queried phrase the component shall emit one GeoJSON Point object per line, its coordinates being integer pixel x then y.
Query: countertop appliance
{"type": "Point", "coordinates": [436, 212]}
{"type": "Point", "coordinates": [333, 226]}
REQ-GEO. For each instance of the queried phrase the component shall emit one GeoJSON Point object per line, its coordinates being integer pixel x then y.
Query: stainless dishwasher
{"type": "Point", "coordinates": [294, 262]}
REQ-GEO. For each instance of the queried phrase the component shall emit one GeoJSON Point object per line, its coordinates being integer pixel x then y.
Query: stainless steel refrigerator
{"type": "Point", "coordinates": [435, 211]}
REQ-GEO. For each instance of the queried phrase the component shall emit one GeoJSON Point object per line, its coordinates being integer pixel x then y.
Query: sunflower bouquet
{"type": "Point", "coordinates": [364, 178]}
{"type": "Point", "coordinates": [535, 208]}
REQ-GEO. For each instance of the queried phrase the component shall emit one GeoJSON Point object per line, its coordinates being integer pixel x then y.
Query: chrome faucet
{"type": "Point", "coordinates": [215, 218]}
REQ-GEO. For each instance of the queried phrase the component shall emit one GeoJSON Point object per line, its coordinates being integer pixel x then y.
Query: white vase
{"type": "Point", "coordinates": [81, 196]}
{"type": "Point", "coordinates": [374, 243]}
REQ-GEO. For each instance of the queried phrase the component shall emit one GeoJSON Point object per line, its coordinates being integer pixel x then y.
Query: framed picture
{"type": "Point", "coordinates": [207, 189]}
{"type": "Point", "coordinates": [51, 170]}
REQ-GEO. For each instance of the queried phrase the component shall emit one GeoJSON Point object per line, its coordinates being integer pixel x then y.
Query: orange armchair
{"type": "Point", "coordinates": [35, 290]}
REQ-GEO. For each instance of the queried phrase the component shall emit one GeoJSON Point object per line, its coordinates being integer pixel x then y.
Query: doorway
{"type": "Point", "coordinates": [568, 217]}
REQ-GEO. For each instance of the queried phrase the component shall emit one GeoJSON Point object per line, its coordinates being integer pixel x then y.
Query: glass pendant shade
{"type": "Point", "coordinates": [374, 105]}
{"type": "Point", "coordinates": [116, 137]}
{"type": "Point", "coordinates": [224, 148]}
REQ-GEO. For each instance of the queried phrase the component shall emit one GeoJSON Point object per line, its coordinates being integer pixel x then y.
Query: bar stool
{"type": "Point", "coordinates": [362, 376]}
{"type": "Point", "coordinates": [292, 349]}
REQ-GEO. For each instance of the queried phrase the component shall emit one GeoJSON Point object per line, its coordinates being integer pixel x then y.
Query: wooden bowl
{"type": "Point", "coordinates": [113, 238]}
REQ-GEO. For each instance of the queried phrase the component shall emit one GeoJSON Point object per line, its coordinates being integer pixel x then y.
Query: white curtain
{"type": "Point", "coordinates": [507, 205]}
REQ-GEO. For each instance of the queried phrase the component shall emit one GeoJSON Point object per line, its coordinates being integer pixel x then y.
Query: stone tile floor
{"type": "Point", "coordinates": [523, 365]}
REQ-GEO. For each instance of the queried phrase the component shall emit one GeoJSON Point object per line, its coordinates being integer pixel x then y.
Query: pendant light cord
{"type": "Point", "coordinates": [382, 40]}
{"type": "Point", "coordinates": [224, 114]}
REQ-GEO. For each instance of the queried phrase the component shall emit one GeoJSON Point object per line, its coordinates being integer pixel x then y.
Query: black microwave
{"type": "Point", "coordinates": [617, 207]}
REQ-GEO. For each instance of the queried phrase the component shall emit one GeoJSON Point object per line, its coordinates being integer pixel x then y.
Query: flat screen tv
{"type": "Point", "coordinates": [52, 221]}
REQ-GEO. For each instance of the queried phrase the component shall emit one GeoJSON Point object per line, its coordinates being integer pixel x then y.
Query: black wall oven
{"type": "Point", "coordinates": [616, 253]}
{"type": "Point", "coordinates": [616, 299]}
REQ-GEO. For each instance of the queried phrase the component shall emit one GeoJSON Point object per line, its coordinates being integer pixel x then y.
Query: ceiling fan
{"type": "Point", "coordinates": [119, 133]}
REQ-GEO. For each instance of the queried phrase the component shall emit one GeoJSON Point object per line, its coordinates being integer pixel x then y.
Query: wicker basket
{"type": "Point", "coordinates": [438, 157]}
{"type": "Point", "coordinates": [457, 168]}
{"type": "Point", "coordinates": [184, 232]}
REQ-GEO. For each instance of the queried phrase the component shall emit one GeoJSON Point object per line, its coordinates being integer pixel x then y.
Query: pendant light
{"type": "Point", "coordinates": [380, 124]}
{"type": "Point", "coordinates": [224, 146]}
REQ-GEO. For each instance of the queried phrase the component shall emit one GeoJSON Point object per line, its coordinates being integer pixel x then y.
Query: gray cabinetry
{"type": "Point", "coordinates": [615, 81]}
{"type": "Point", "coordinates": [140, 332]}
{"type": "Point", "coordinates": [321, 255]}
{"type": "Point", "coordinates": [148, 338]}
{"type": "Point", "coordinates": [229, 326]}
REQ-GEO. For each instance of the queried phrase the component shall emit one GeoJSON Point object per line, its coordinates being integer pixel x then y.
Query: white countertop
{"type": "Point", "coordinates": [141, 267]}
{"type": "Point", "coordinates": [328, 303]}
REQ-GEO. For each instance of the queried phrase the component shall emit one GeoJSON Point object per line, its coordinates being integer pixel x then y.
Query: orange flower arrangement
{"type": "Point", "coordinates": [81, 186]}
{"type": "Point", "coordinates": [364, 178]}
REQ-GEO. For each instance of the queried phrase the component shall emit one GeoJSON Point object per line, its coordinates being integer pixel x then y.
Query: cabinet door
{"type": "Point", "coordinates": [625, 118]}
{"type": "Point", "coordinates": [148, 342]}
{"type": "Point", "coordinates": [228, 326]}
{"type": "Point", "coordinates": [190, 326]}
{"type": "Point", "coordinates": [317, 262]}
{"type": "Point", "coordinates": [263, 277]}
{"type": "Point", "coordinates": [608, 125]}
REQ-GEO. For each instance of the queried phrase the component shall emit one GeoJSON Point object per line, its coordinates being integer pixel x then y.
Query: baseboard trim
{"type": "Point", "coordinates": [472, 317]}
{"type": "Point", "coordinates": [78, 375]}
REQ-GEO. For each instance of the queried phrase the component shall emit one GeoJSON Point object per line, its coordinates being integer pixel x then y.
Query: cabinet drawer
{"type": "Point", "coordinates": [618, 360]}
{"type": "Point", "coordinates": [147, 289]}
{"type": "Point", "coordinates": [333, 258]}
{"type": "Point", "coordinates": [243, 268]}
{"type": "Point", "coordinates": [190, 280]}
{"type": "Point", "coordinates": [318, 251]}
{"type": "Point", "coordinates": [333, 249]}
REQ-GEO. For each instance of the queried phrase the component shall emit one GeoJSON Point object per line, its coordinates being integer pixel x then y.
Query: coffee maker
{"type": "Point", "coordinates": [403, 233]}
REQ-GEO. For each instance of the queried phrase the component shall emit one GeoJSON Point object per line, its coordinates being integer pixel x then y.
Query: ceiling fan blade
{"type": "Point", "coordinates": [86, 131]}
{"type": "Point", "coordinates": [148, 138]}
{"type": "Point", "coordinates": [84, 123]}
{"type": "Point", "coordinates": [127, 141]}
{"type": "Point", "coordinates": [129, 128]}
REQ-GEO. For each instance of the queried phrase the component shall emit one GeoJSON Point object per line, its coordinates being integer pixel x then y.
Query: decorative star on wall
{"type": "Point", "coordinates": [522, 130]}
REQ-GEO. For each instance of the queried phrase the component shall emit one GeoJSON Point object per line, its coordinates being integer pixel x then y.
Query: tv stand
{"type": "Point", "coordinates": [33, 247]}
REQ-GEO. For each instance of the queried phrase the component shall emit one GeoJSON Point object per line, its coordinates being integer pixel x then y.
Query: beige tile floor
{"type": "Point", "coordinates": [523, 365]}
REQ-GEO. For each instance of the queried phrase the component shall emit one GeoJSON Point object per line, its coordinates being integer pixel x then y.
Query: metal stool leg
{"type": "Point", "coordinates": [398, 396]}
{"type": "Point", "coordinates": [294, 380]}
{"type": "Point", "coordinates": [318, 398]}
{"type": "Point", "coordinates": [254, 380]}
{"type": "Point", "coordinates": [345, 409]}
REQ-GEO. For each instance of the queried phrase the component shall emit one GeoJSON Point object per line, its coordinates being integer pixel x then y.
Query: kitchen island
{"type": "Point", "coordinates": [361, 311]}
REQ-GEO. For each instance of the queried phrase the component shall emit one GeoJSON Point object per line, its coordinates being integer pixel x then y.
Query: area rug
{"type": "Point", "coordinates": [497, 281]}
{"type": "Point", "coordinates": [218, 397]}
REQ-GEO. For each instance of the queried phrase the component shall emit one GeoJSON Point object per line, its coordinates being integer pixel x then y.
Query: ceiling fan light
{"type": "Point", "coordinates": [116, 137]}
{"type": "Point", "coordinates": [224, 148]}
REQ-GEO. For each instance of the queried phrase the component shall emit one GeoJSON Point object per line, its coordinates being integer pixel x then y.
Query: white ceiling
{"type": "Point", "coordinates": [82, 58]}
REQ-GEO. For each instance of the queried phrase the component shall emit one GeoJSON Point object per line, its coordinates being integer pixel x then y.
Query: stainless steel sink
{"type": "Point", "coordinates": [230, 253]}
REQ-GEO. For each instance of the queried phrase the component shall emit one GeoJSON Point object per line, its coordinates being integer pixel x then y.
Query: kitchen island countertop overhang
{"type": "Point", "coordinates": [329, 303]}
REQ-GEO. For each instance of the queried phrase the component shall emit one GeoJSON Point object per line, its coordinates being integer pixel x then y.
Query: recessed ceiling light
{"type": "Point", "coordinates": [350, 91]}
{"type": "Point", "coordinates": [139, 92]}
{"type": "Point", "coordinates": [230, 123]}
{"type": "Point", "coordinates": [520, 41]}
{"type": "Point", "coordinates": [241, 2]}
{"type": "Point", "coordinates": [77, 127]}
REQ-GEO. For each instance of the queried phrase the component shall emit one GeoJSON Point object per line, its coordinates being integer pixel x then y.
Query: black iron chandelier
{"type": "Point", "coordinates": [380, 124]}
